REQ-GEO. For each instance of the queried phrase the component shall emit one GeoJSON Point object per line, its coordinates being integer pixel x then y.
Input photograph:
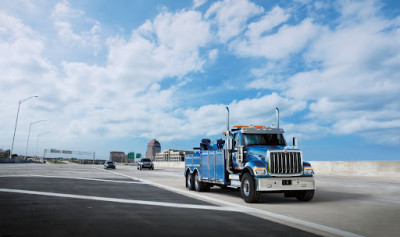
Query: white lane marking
{"type": "Point", "coordinates": [120, 200]}
{"type": "Point", "coordinates": [63, 177]}
{"type": "Point", "coordinates": [245, 209]}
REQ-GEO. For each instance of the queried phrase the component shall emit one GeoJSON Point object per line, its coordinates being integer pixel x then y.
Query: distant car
{"type": "Point", "coordinates": [109, 165]}
{"type": "Point", "coordinates": [145, 163]}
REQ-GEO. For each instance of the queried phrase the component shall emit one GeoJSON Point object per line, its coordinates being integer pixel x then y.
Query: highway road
{"type": "Point", "coordinates": [86, 200]}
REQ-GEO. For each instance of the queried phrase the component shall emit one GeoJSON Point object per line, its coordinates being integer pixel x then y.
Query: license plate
{"type": "Point", "coordinates": [286, 182]}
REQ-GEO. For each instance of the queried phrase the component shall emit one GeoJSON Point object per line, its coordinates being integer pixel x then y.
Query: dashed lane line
{"type": "Point", "coordinates": [245, 209]}
{"type": "Point", "coordinates": [79, 178]}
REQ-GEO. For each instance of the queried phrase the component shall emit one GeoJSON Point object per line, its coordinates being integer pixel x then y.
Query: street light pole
{"type": "Point", "coordinates": [16, 121]}
{"type": "Point", "coordinates": [37, 142]}
{"type": "Point", "coordinates": [29, 133]}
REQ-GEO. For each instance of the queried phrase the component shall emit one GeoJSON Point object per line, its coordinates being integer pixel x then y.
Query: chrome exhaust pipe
{"type": "Point", "coordinates": [277, 118]}
{"type": "Point", "coordinates": [227, 119]}
{"type": "Point", "coordinates": [228, 144]}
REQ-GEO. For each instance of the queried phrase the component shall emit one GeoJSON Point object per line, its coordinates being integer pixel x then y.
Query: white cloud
{"type": "Point", "coordinates": [270, 20]}
{"type": "Point", "coordinates": [351, 84]}
{"type": "Point", "coordinates": [167, 47]}
{"type": "Point", "coordinates": [128, 84]}
{"type": "Point", "coordinates": [356, 85]}
{"type": "Point", "coordinates": [231, 16]}
{"type": "Point", "coordinates": [84, 39]}
{"type": "Point", "coordinates": [74, 28]}
{"type": "Point", "coordinates": [64, 10]}
{"type": "Point", "coordinates": [198, 3]}
{"type": "Point", "coordinates": [255, 111]}
{"type": "Point", "coordinates": [212, 55]}
{"type": "Point", "coordinates": [288, 40]}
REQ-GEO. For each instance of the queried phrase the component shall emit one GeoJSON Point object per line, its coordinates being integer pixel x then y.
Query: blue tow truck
{"type": "Point", "coordinates": [255, 159]}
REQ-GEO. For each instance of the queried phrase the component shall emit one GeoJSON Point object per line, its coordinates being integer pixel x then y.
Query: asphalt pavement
{"type": "Point", "coordinates": [79, 200]}
{"type": "Point", "coordinates": [86, 200]}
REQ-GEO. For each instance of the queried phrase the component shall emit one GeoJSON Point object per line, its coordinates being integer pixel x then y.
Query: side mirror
{"type": "Point", "coordinates": [295, 143]}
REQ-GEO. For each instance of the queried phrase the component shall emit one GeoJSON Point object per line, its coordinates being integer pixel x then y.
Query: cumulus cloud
{"type": "Point", "coordinates": [231, 16]}
{"type": "Point", "coordinates": [256, 111]}
{"type": "Point", "coordinates": [198, 3]}
{"type": "Point", "coordinates": [350, 74]}
{"type": "Point", "coordinates": [87, 37]}
{"type": "Point", "coordinates": [353, 83]}
{"type": "Point", "coordinates": [288, 40]}
{"type": "Point", "coordinates": [64, 10]}
{"type": "Point", "coordinates": [128, 84]}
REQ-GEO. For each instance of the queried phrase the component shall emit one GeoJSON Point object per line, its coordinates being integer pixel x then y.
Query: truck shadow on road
{"type": "Point", "coordinates": [320, 196]}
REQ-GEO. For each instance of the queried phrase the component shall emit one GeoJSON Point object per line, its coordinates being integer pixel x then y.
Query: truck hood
{"type": "Point", "coordinates": [260, 152]}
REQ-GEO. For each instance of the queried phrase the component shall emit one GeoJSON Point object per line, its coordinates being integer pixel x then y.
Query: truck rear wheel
{"type": "Point", "coordinates": [305, 196]}
{"type": "Point", "coordinates": [198, 185]}
{"type": "Point", "coordinates": [248, 189]}
{"type": "Point", "coordinates": [189, 181]}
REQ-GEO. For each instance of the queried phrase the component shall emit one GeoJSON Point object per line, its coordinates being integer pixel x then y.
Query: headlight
{"type": "Point", "coordinates": [308, 170]}
{"type": "Point", "coordinates": [260, 170]}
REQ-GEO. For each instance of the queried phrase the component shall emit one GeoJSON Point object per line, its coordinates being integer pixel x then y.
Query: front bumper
{"type": "Point", "coordinates": [277, 184]}
{"type": "Point", "coordinates": [147, 165]}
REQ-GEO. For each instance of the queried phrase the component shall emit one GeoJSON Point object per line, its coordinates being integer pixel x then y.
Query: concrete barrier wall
{"type": "Point", "coordinates": [358, 168]}
{"type": "Point", "coordinates": [343, 168]}
{"type": "Point", "coordinates": [169, 165]}
{"type": "Point", "coordinates": [8, 161]}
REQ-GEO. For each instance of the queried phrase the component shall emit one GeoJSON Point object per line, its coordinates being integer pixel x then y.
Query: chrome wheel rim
{"type": "Point", "coordinates": [196, 181]}
{"type": "Point", "coordinates": [246, 188]}
{"type": "Point", "coordinates": [188, 180]}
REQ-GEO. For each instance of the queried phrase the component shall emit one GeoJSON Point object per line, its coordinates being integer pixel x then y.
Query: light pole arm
{"type": "Point", "coordinates": [37, 142]}
{"type": "Point", "coordinates": [29, 133]}
{"type": "Point", "coordinates": [22, 101]}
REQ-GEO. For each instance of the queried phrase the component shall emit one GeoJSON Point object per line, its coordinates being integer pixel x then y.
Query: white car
{"type": "Point", "coordinates": [145, 163]}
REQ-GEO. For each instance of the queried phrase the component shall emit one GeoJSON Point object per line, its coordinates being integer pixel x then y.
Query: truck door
{"type": "Point", "coordinates": [237, 142]}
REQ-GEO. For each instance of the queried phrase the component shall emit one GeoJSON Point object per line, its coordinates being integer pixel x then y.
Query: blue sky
{"type": "Point", "coordinates": [112, 75]}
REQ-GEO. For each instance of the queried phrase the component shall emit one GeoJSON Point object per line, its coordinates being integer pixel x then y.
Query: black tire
{"type": "Point", "coordinates": [137, 167]}
{"type": "Point", "coordinates": [248, 189]}
{"type": "Point", "coordinates": [305, 196]}
{"type": "Point", "coordinates": [198, 185]}
{"type": "Point", "coordinates": [189, 181]}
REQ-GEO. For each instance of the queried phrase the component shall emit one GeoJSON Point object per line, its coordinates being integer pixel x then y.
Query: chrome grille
{"type": "Point", "coordinates": [285, 162]}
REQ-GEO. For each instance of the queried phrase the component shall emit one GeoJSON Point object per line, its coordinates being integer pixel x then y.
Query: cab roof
{"type": "Point", "coordinates": [257, 130]}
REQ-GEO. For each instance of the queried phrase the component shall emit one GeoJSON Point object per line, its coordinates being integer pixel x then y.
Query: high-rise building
{"type": "Point", "coordinates": [117, 156]}
{"type": "Point", "coordinates": [172, 155]}
{"type": "Point", "coordinates": [153, 148]}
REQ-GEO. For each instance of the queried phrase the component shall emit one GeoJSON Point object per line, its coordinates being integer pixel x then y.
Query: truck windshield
{"type": "Point", "coordinates": [264, 139]}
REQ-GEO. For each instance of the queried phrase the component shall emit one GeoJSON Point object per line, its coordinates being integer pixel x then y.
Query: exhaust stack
{"type": "Point", "coordinates": [228, 144]}
{"type": "Point", "coordinates": [227, 119]}
{"type": "Point", "coordinates": [277, 118]}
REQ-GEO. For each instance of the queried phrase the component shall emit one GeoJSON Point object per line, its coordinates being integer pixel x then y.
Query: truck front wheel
{"type": "Point", "coordinates": [248, 189]}
{"type": "Point", "coordinates": [305, 196]}
{"type": "Point", "coordinates": [189, 181]}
